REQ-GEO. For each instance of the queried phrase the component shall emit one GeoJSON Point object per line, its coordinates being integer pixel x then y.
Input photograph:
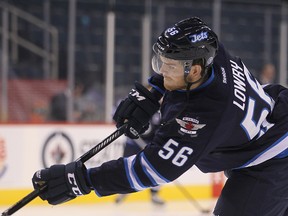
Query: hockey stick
{"type": "Point", "coordinates": [190, 198]}
{"type": "Point", "coordinates": [31, 196]}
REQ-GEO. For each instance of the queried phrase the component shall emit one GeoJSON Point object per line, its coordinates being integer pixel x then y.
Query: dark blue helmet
{"type": "Point", "coordinates": [188, 39]}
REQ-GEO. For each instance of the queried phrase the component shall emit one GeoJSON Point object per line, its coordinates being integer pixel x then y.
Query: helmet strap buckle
{"type": "Point", "coordinates": [187, 68]}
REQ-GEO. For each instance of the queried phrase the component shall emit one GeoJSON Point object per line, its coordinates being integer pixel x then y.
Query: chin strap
{"type": "Point", "coordinates": [187, 68]}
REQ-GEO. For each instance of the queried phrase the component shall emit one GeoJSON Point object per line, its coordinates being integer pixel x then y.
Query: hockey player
{"type": "Point", "coordinates": [215, 115]}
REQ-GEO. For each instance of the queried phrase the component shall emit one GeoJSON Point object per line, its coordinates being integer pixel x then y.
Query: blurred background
{"type": "Point", "coordinates": [66, 64]}
{"type": "Point", "coordinates": [73, 60]}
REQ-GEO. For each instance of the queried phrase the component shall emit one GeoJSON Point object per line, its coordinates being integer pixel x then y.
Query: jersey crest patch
{"type": "Point", "coordinates": [189, 125]}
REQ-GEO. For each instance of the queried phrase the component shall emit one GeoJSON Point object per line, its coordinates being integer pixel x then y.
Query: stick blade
{"type": "Point", "coordinates": [205, 211]}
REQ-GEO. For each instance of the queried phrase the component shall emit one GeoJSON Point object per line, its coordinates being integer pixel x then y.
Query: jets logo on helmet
{"type": "Point", "coordinates": [198, 37]}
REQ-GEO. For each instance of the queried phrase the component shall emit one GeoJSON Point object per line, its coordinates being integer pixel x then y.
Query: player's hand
{"type": "Point", "coordinates": [64, 182]}
{"type": "Point", "coordinates": [137, 109]}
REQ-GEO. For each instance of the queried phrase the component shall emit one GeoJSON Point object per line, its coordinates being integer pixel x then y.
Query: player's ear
{"type": "Point", "coordinates": [196, 70]}
{"type": "Point", "coordinates": [195, 73]}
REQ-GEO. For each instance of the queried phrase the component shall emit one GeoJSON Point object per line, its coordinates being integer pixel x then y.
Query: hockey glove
{"type": "Point", "coordinates": [64, 182]}
{"type": "Point", "coordinates": [137, 108]}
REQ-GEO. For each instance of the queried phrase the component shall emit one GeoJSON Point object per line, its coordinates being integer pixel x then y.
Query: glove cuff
{"type": "Point", "coordinates": [156, 81]}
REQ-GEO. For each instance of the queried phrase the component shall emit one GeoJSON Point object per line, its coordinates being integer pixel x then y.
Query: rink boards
{"type": "Point", "coordinates": [25, 148]}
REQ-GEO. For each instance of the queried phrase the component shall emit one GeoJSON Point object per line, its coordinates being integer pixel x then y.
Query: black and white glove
{"type": "Point", "coordinates": [64, 182]}
{"type": "Point", "coordinates": [137, 108]}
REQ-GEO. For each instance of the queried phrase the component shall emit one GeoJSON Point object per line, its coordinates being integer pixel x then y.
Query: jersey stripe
{"type": "Point", "coordinates": [132, 177]}
{"type": "Point", "coordinates": [151, 172]}
{"type": "Point", "coordinates": [277, 148]}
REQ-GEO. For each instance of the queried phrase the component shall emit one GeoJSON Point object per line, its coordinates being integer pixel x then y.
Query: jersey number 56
{"type": "Point", "coordinates": [171, 150]}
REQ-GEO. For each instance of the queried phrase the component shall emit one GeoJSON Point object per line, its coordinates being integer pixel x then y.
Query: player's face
{"type": "Point", "coordinates": [173, 73]}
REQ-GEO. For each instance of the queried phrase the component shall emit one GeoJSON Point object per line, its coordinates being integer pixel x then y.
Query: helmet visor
{"type": "Point", "coordinates": [156, 63]}
{"type": "Point", "coordinates": [161, 63]}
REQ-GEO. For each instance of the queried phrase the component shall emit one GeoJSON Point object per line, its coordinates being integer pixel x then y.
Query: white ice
{"type": "Point", "coordinates": [183, 208]}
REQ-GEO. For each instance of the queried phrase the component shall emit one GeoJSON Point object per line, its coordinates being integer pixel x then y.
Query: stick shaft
{"type": "Point", "coordinates": [103, 144]}
{"type": "Point", "coordinates": [190, 197]}
{"type": "Point", "coordinates": [24, 201]}
{"type": "Point", "coordinates": [86, 156]}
